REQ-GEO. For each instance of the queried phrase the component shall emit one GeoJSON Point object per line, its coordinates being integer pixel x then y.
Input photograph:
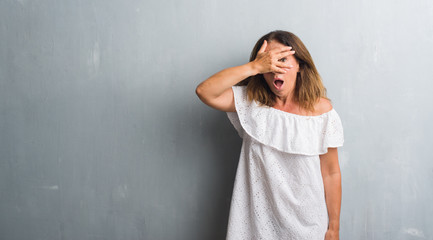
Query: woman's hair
{"type": "Point", "coordinates": [308, 88]}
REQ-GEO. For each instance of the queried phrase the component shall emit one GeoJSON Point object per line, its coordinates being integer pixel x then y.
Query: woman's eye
{"type": "Point", "coordinates": [283, 59]}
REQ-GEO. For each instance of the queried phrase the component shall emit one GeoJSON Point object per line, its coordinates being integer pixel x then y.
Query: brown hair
{"type": "Point", "coordinates": [308, 88]}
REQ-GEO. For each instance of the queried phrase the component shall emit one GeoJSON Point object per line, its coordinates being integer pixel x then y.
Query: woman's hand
{"type": "Point", "coordinates": [332, 235]}
{"type": "Point", "coordinates": [270, 61]}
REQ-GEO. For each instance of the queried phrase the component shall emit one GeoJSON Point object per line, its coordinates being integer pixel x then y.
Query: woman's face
{"type": "Point", "coordinates": [282, 84]}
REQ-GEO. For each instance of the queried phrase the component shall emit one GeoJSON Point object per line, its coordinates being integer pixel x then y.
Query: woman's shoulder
{"type": "Point", "coordinates": [322, 106]}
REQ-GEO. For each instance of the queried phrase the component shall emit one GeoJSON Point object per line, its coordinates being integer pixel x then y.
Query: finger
{"type": "Point", "coordinates": [284, 54]}
{"type": "Point", "coordinates": [282, 49]}
{"type": "Point", "coordinates": [263, 47]}
{"type": "Point", "coordinates": [278, 70]}
{"type": "Point", "coordinates": [284, 65]}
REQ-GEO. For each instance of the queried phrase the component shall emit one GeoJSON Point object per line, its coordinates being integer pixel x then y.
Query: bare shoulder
{"type": "Point", "coordinates": [323, 106]}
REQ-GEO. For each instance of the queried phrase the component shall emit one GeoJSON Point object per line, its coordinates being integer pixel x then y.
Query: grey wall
{"type": "Point", "coordinates": [102, 136]}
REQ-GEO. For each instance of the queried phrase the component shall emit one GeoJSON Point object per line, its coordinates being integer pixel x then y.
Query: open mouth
{"type": "Point", "coordinates": [278, 83]}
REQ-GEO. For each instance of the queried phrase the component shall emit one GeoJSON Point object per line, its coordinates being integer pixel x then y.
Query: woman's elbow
{"type": "Point", "coordinates": [199, 92]}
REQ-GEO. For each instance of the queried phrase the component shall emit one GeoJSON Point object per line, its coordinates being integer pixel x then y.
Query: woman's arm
{"type": "Point", "coordinates": [216, 91]}
{"type": "Point", "coordinates": [332, 182]}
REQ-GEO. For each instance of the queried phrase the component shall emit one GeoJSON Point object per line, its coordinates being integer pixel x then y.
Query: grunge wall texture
{"type": "Point", "coordinates": [103, 137]}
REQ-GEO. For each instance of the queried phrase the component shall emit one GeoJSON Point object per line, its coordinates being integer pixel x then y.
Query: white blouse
{"type": "Point", "coordinates": [278, 192]}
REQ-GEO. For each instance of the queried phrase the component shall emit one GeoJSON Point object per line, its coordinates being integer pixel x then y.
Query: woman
{"type": "Point", "coordinates": [288, 182]}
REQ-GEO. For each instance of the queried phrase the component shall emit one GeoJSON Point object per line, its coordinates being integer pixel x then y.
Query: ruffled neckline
{"type": "Point", "coordinates": [278, 111]}
{"type": "Point", "coordinates": [284, 131]}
